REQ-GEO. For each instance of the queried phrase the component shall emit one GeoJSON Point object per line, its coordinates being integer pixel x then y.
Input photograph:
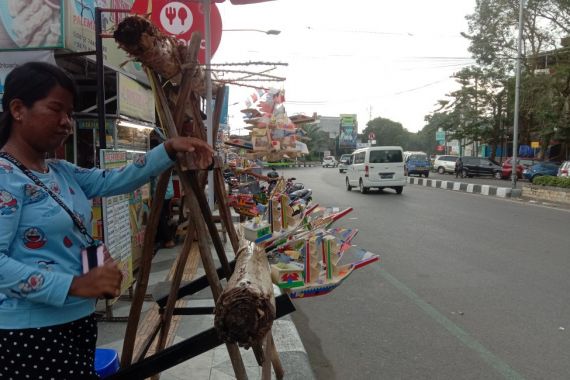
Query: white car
{"type": "Point", "coordinates": [343, 163]}
{"type": "Point", "coordinates": [445, 164]}
{"type": "Point", "coordinates": [564, 169]}
{"type": "Point", "coordinates": [329, 162]}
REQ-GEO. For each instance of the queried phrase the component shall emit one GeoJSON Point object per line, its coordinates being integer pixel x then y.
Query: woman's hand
{"type": "Point", "coordinates": [202, 152]}
{"type": "Point", "coordinates": [100, 282]}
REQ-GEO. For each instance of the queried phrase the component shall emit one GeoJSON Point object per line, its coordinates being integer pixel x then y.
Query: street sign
{"type": "Point", "coordinates": [440, 148]}
{"type": "Point", "coordinates": [181, 18]}
{"type": "Point", "coordinates": [371, 136]}
{"type": "Point", "coordinates": [440, 136]}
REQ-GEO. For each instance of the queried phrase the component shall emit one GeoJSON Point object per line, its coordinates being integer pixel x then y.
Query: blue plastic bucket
{"type": "Point", "coordinates": [106, 362]}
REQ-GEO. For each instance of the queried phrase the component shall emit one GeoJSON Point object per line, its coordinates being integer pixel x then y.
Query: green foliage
{"type": "Point", "coordinates": [389, 132]}
{"type": "Point", "coordinates": [318, 141]}
{"type": "Point", "coordinates": [483, 107]}
{"type": "Point", "coordinates": [549, 180]}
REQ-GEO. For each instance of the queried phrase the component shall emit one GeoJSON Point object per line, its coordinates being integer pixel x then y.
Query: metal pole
{"type": "Point", "coordinates": [209, 128]}
{"type": "Point", "coordinates": [99, 67]}
{"type": "Point", "coordinates": [517, 99]}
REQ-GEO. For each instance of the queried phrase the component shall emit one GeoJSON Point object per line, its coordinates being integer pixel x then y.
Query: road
{"type": "Point", "coordinates": [470, 287]}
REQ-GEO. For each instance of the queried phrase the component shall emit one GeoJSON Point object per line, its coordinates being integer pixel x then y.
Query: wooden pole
{"type": "Point", "coordinates": [166, 317]}
{"type": "Point", "coordinates": [144, 269]}
{"type": "Point", "coordinates": [194, 215]}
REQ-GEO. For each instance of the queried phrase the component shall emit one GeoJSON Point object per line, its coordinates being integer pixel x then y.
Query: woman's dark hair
{"type": "Point", "coordinates": [30, 82]}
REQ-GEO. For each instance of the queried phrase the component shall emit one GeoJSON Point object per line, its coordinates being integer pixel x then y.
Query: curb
{"type": "Point", "coordinates": [495, 191]}
{"type": "Point", "coordinates": [292, 352]}
{"type": "Point", "coordinates": [301, 165]}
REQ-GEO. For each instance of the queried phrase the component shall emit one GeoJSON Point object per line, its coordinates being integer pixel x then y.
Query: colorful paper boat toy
{"type": "Point", "coordinates": [319, 263]}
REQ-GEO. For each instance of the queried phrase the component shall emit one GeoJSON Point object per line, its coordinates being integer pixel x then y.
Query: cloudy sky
{"type": "Point", "coordinates": [374, 58]}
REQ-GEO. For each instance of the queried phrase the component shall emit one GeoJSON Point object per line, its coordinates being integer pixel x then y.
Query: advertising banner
{"type": "Point", "coordinates": [348, 131]}
{"type": "Point", "coordinates": [31, 24]}
{"type": "Point", "coordinates": [181, 18]}
{"type": "Point", "coordinates": [9, 61]}
{"type": "Point", "coordinates": [116, 220]}
{"type": "Point", "coordinates": [80, 33]}
{"type": "Point", "coordinates": [224, 123]}
{"type": "Point", "coordinates": [135, 100]}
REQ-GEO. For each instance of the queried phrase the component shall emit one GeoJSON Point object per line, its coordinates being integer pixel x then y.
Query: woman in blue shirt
{"type": "Point", "coordinates": [47, 328]}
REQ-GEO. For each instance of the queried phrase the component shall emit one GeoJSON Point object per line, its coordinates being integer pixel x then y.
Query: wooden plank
{"type": "Point", "coordinates": [153, 318]}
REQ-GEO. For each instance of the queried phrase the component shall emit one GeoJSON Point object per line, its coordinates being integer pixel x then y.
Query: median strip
{"type": "Point", "coordinates": [495, 191]}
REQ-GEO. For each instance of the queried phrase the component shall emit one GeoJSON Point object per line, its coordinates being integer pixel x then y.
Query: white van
{"type": "Point", "coordinates": [377, 166]}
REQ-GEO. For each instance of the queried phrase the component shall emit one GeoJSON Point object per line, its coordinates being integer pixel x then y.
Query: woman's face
{"type": "Point", "coordinates": [47, 123]}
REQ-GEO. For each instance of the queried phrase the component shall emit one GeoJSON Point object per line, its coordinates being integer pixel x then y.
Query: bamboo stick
{"type": "Point", "coordinates": [144, 269]}
{"type": "Point", "coordinates": [192, 204]}
{"type": "Point", "coordinates": [166, 317]}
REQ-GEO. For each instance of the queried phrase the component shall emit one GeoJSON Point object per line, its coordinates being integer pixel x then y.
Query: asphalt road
{"type": "Point", "coordinates": [470, 287]}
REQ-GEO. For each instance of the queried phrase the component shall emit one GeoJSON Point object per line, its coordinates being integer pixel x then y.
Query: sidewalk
{"type": "Point", "coordinates": [214, 364]}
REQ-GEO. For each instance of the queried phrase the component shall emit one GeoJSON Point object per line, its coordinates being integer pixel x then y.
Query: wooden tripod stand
{"type": "Point", "coordinates": [201, 225]}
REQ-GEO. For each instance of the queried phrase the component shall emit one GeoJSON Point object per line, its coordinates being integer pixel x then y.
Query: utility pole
{"type": "Point", "coordinates": [517, 98]}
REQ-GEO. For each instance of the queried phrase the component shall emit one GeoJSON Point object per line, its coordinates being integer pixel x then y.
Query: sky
{"type": "Point", "coordinates": [373, 58]}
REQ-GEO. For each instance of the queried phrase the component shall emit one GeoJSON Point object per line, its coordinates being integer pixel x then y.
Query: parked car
{"type": "Point", "coordinates": [476, 166]}
{"type": "Point", "coordinates": [564, 169]}
{"type": "Point", "coordinates": [343, 163]}
{"type": "Point", "coordinates": [329, 162]}
{"type": "Point", "coordinates": [540, 169]}
{"type": "Point", "coordinates": [444, 164]}
{"type": "Point", "coordinates": [507, 167]}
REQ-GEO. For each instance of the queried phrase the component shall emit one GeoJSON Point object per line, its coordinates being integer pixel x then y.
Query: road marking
{"type": "Point", "coordinates": [494, 361]}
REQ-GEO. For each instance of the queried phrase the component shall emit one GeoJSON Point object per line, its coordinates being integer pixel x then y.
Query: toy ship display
{"type": "Point", "coordinates": [308, 258]}
{"type": "Point", "coordinates": [273, 135]}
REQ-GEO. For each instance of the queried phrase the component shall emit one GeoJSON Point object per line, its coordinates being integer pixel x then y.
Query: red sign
{"type": "Point", "coordinates": [181, 18]}
{"type": "Point", "coordinates": [371, 136]}
{"type": "Point", "coordinates": [440, 148]}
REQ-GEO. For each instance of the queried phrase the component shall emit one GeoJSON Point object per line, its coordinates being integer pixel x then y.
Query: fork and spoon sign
{"type": "Point", "coordinates": [171, 14]}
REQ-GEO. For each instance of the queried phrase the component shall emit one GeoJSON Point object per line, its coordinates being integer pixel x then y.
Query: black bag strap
{"type": "Point", "coordinates": [55, 197]}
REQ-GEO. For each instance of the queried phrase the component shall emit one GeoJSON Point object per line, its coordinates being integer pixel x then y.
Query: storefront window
{"type": "Point", "coordinates": [129, 138]}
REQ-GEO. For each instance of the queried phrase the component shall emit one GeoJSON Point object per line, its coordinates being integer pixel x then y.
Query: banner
{"type": "Point", "coordinates": [348, 131]}
{"type": "Point", "coordinates": [224, 123]}
{"type": "Point", "coordinates": [31, 24]}
{"type": "Point", "coordinates": [135, 100]}
{"type": "Point", "coordinates": [181, 18]}
{"type": "Point", "coordinates": [9, 61]}
{"type": "Point", "coordinates": [116, 220]}
{"type": "Point", "coordinates": [80, 33]}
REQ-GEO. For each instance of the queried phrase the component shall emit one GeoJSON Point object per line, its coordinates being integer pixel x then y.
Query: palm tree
{"type": "Point", "coordinates": [316, 140]}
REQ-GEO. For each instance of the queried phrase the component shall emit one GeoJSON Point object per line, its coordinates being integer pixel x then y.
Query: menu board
{"type": "Point", "coordinates": [116, 220]}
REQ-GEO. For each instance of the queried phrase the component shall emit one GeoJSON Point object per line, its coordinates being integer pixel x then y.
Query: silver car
{"type": "Point", "coordinates": [343, 163]}
{"type": "Point", "coordinates": [444, 164]}
{"type": "Point", "coordinates": [329, 162]}
{"type": "Point", "coordinates": [564, 169]}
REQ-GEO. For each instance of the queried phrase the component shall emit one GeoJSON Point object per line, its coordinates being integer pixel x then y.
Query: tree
{"type": "Point", "coordinates": [318, 141]}
{"type": "Point", "coordinates": [493, 32]}
{"type": "Point", "coordinates": [387, 132]}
